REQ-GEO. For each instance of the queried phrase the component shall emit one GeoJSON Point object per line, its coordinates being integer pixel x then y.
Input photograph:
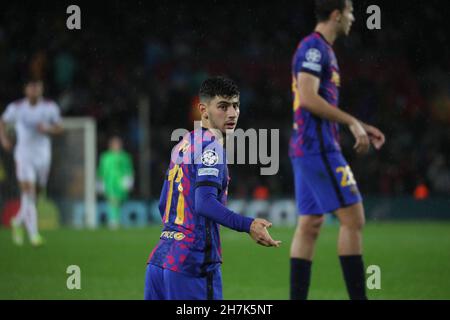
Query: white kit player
{"type": "Point", "coordinates": [35, 119]}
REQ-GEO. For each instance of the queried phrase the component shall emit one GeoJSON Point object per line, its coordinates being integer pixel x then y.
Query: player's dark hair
{"type": "Point", "coordinates": [32, 80]}
{"type": "Point", "coordinates": [325, 7]}
{"type": "Point", "coordinates": [218, 86]}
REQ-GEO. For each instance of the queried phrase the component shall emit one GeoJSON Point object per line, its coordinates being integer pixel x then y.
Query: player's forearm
{"type": "Point", "coordinates": [207, 205]}
{"type": "Point", "coordinates": [321, 108]}
{"type": "Point", "coordinates": [55, 129]}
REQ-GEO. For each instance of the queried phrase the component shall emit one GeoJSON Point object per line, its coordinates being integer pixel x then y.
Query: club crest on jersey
{"type": "Point", "coordinates": [210, 158]}
{"type": "Point", "coordinates": [336, 79]}
{"type": "Point", "coordinates": [178, 236]}
{"type": "Point", "coordinates": [313, 55]}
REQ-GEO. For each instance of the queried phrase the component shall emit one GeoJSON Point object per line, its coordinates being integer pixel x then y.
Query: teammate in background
{"type": "Point", "coordinates": [35, 120]}
{"type": "Point", "coordinates": [185, 264]}
{"type": "Point", "coordinates": [324, 181]}
{"type": "Point", "coordinates": [117, 177]}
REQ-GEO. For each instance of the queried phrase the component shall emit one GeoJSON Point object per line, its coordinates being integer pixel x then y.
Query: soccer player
{"type": "Point", "coordinates": [323, 180]}
{"type": "Point", "coordinates": [35, 119]}
{"type": "Point", "coordinates": [186, 262]}
{"type": "Point", "coordinates": [116, 174]}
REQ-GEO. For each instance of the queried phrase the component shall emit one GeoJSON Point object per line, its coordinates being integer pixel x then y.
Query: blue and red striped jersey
{"type": "Point", "coordinates": [311, 134]}
{"type": "Point", "coordinates": [190, 242]}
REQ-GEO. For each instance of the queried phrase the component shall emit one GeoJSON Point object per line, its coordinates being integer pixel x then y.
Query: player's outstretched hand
{"type": "Point", "coordinates": [362, 144]}
{"type": "Point", "coordinates": [259, 233]}
{"type": "Point", "coordinates": [376, 136]}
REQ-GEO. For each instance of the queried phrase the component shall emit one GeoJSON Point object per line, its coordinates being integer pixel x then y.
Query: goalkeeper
{"type": "Point", "coordinates": [116, 178]}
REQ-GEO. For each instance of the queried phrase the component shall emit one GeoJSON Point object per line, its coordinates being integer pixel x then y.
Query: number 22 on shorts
{"type": "Point", "coordinates": [347, 176]}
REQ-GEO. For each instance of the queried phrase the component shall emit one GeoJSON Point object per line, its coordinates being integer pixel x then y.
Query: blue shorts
{"type": "Point", "coordinates": [164, 284]}
{"type": "Point", "coordinates": [323, 183]}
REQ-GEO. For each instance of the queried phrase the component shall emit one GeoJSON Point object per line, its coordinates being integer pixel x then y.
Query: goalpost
{"type": "Point", "coordinates": [73, 173]}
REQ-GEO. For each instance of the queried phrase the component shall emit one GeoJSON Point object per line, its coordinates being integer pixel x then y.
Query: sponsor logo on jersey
{"type": "Point", "coordinates": [173, 235]}
{"type": "Point", "coordinates": [208, 172]}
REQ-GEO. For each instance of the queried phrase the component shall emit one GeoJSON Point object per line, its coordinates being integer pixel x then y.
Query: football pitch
{"type": "Point", "coordinates": [414, 259]}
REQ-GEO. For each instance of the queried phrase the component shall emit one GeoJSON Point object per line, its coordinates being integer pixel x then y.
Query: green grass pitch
{"type": "Point", "coordinates": [414, 258]}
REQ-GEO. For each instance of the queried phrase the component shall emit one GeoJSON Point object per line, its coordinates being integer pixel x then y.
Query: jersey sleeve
{"type": "Point", "coordinates": [210, 167]}
{"type": "Point", "coordinates": [207, 205]}
{"type": "Point", "coordinates": [55, 116]}
{"type": "Point", "coordinates": [311, 57]}
{"type": "Point", "coordinates": [10, 114]}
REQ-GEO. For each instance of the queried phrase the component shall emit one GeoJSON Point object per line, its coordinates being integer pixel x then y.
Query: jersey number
{"type": "Point", "coordinates": [175, 175]}
{"type": "Point", "coordinates": [347, 176]}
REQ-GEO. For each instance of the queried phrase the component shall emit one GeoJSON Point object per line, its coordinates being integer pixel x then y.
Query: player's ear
{"type": "Point", "coordinates": [336, 16]}
{"type": "Point", "coordinates": [202, 109]}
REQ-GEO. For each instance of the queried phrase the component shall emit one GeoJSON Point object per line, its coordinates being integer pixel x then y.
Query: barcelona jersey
{"type": "Point", "coordinates": [312, 135]}
{"type": "Point", "coordinates": [189, 242]}
{"type": "Point", "coordinates": [323, 180]}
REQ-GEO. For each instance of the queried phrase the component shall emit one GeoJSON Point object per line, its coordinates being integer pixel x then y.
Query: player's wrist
{"type": "Point", "coordinates": [352, 121]}
{"type": "Point", "coordinates": [247, 224]}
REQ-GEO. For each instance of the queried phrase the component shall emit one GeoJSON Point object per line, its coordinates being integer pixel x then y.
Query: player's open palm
{"type": "Point", "coordinates": [362, 143]}
{"type": "Point", "coordinates": [259, 233]}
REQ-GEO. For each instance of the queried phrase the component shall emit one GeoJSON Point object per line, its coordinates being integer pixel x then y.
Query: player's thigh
{"type": "Point", "coordinates": [26, 175]}
{"type": "Point", "coordinates": [154, 283]}
{"type": "Point", "coordinates": [184, 287]}
{"type": "Point", "coordinates": [352, 216]}
{"type": "Point", "coordinates": [345, 179]}
{"type": "Point", "coordinates": [332, 181]}
{"type": "Point", "coordinates": [307, 201]}
{"type": "Point", "coordinates": [42, 169]}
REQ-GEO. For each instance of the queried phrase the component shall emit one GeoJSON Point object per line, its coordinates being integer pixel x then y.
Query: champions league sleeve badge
{"type": "Point", "coordinates": [210, 158]}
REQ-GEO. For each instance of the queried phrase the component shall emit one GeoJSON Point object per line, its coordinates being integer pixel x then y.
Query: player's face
{"type": "Point", "coordinates": [347, 18]}
{"type": "Point", "coordinates": [223, 113]}
{"type": "Point", "coordinates": [115, 144]}
{"type": "Point", "coordinates": [34, 90]}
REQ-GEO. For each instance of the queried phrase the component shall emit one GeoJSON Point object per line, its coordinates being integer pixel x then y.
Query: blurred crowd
{"type": "Point", "coordinates": [396, 78]}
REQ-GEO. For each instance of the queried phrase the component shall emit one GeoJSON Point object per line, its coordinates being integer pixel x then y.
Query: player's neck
{"type": "Point", "coordinates": [327, 31]}
{"type": "Point", "coordinates": [33, 102]}
{"type": "Point", "coordinates": [216, 132]}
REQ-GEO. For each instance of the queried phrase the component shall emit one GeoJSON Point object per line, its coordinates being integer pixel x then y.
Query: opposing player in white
{"type": "Point", "coordinates": [35, 119]}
